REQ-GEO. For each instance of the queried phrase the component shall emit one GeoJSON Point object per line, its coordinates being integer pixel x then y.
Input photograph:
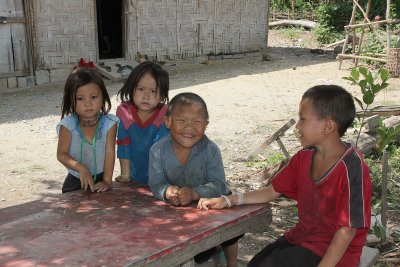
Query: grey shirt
{"type": "Point", "coordinates": [202, 172]}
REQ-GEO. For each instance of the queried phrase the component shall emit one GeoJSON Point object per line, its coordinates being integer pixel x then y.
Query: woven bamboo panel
{"type": "Point", "coordinates": [65, 32]}
{"type": "Point", "coordinates": [393, 63]}
{"type": "Point", "coordinates": [187, 28]}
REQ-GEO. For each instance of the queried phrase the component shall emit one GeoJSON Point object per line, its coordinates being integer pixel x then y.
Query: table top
{"type": "Point", "coordinates": [125, 226]}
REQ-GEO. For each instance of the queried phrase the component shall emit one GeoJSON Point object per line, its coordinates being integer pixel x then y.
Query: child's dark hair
{"type": "Point", "coordinates": [156, 71]}
{"type": "Point", "coordinates": [78, 78]}
{"type": "Point", "coordinates": [183, 99]}
{"type": "Point", "coordinates": [333, 102]}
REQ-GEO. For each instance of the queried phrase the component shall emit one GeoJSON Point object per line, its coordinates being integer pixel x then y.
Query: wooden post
{"type": "Point", "coordinates": [30, 35]}
{"type": "Point", "coordinates": [384, 191]}
{"type": "Point", "coordinates": [388, 28]}
{"type": "Point", "coordinates": [353, 16]}
{"type": "Point", "coordinates": [362, 33]}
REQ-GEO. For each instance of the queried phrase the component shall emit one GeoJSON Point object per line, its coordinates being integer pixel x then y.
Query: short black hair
{"type": "Point", "coordinates": [79, 77]}
{"type": "Point", "coordinates": [187, 99]}
{"type": "Point", "coordinates": [333, 102]}
{"type": "Point", "coordinates": [156, 71]}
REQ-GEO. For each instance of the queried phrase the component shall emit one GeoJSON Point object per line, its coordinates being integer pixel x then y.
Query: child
{"type": "Point", "coordinates": [185, 165]}
{"type": "Point", "coordinates": [86, 143]}
{"type": "Point", "coordinates": [330, 182]}
{"type": "Point", "coordinates": [142, 113]}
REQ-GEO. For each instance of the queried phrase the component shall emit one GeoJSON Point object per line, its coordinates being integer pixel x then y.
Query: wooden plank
{"type": "Point", "coordinates": [393, 110]}
{"type": "Point", "coordinates": [6, 57]}
{"type": "Point", "coordinates": [272, 138]}
{"type": "Point", "coordinates": [14, 74]}
{"type": "Point", "coordinates": [19, 46]}
{"type": "Point", "coordinates": [15, 20]}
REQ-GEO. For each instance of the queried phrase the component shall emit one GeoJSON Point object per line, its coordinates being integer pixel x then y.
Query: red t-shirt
{"type": "Point", "coordinates": [341, 198]}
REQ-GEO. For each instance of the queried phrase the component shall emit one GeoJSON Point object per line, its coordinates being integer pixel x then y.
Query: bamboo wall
{"type": "Point", "coordinates": [188, 28]}
{"type": "Point", "coordinates": [65, 31]}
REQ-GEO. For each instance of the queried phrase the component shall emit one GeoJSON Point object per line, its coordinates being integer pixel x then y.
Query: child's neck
{"type": "Point", "coordinates": [145, 115]}
{"type": "Point", "coordinates": [326, 157]}
{"type": "Point", "coordinates": [88, 122]}
{"type": "Point", "coordinates": [181, 153]}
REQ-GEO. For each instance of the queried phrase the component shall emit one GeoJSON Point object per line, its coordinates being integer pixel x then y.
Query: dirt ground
{"type": "Point", "coordinates": [248, 99]}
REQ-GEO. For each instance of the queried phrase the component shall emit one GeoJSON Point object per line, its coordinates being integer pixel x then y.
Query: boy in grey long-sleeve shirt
{"type": "Point", "coordinates": [185, 165]}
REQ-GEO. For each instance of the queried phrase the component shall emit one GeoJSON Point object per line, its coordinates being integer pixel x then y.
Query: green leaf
{"type": "Point", "coordinates": [363, 71]}
{"type": "Point", "coordinates": [355, 74]}
{"type": "Point", "coordinates": [384, 74]}
{"type": "Point", "coordinates": [384, 85]}
{"type": "Point", "coordinates": [368, 98]}
{"type": "Point", "coordinates": [351, 79]}
{"type": "Point", "coordinates": [370, 78]}
{"type": "Point", "coordinates": [363, 85]}
{"type": "Point", "coordinates": [375, 88]}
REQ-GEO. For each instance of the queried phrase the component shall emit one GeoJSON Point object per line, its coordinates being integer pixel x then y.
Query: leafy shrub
{"type": "Point", "coordinates": [326, 34]}
{"type": "Point", "coordinates": [334, 15]}
{"type": "Point", "coordinates": [393, 186]}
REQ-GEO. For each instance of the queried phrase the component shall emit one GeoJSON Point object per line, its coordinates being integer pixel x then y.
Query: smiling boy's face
{"type": "Point", "coordinates": [187, 124]}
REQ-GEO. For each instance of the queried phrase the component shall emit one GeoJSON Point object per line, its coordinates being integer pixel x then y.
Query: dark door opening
{"type": "Point", "coordinates": [109, 27]}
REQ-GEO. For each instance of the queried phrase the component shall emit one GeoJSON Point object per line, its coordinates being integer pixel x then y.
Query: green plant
{"type": "Point", "coordinates": [387, 135]}
{"type": "Point", "coordinates": [370, 86]}
{"type": "Point", "coordinates": [291, 32]}
{"type": "Point", "coordinates": [326, 34]}
{"type": "Point", "coordinates": [374, 163]}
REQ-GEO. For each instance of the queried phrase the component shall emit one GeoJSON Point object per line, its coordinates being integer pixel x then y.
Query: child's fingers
{"type": "Point", "coordinates": [203, 204]}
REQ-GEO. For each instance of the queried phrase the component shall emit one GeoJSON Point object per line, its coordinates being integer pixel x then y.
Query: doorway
{"type": "Point", "coordinates": [109, 27]}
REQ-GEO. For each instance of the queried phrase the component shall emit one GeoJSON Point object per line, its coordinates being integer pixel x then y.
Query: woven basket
{"type": "Point", "coordinates": [393, 63]}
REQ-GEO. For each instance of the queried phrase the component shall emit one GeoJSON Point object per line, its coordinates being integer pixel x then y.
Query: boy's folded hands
{"type": "Point", "coordinates": [180, 196]}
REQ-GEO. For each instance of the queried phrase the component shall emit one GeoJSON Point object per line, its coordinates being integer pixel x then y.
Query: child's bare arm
{"type": "Point", "coordinates": [338, 246]}
{"type": "Point", "coordinates": [109, 161]}
{"type": "Point", "coordinates": [262, 195]}
{"type": "Point", "coordinates": [64, 143]}
{"type": "Point", "coordinates": [187, 195]}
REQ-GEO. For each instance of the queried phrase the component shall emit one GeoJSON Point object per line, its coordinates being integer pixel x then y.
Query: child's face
{"type": "Point", "coordinates": [146, 96]}
{"type": "Point", "coordinates": [187, 124]}
{"type": "Point", "coordinates": [88, 101]}
{"type": "Point", "coordinates": [310, 127]}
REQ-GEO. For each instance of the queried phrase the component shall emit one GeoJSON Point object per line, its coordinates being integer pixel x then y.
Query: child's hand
{"type": "Point", "coordinates": [123, 178]}
{"type": "Point", "coordinates": [86, 179]}
{"type": "Point", "coordinates": [172, 195]}
{"type": "Point", "coordinates": [211, 203]}
{"type": "Point", "coordinates": [102, 186]}
{"type": "Point", "coordinates": [185, 195]}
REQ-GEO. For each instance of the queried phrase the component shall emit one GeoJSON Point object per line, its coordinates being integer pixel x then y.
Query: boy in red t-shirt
{"type": "Point", "coordinates": [330, 182]}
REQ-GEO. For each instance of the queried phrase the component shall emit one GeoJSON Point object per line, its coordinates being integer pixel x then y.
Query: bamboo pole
{"type": "Point", "coordinates": [385, 168]}
{"type": "Point", "coordinates": [362, 32]}
{"type": "Point", "coordinates": [353, 16]}
{"type": "Point", "coordinates": [362, 57]}
{"type": "Point", "coordinates": [387, 21]}
{"type": "Point", "coordinates": [388, 29]}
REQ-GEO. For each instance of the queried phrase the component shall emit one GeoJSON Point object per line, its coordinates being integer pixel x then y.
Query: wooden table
{"type": "Point", "coordinates": [126, 226]}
